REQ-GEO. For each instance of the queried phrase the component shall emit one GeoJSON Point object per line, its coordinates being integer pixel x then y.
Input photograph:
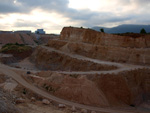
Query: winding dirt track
{"type": "Point", "coordinates": [120, 67]}
{"type": "Point", "coordinates": [9, 71]}
{"type": "Point", "coordinates": [21, 81]}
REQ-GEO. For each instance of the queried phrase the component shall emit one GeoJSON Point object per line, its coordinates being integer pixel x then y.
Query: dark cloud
{"type": "Point", "coordinates": [8, 6]}
{"type": "Point", "coordinates": [50, 5]}
{"type": "Point", "coordinates": [26, 24]}
{"type": "Point", "coordinates": [142, 1]}
{"type": "Point", "coordinates": [86, 17]}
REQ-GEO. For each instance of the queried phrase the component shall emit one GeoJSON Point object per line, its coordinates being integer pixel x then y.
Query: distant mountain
{"type": "Point", "coordinates": [124, 28]}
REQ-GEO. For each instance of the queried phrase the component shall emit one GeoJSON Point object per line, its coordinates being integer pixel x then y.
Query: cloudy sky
{"type": "Point", "coordinates": [53, 15]}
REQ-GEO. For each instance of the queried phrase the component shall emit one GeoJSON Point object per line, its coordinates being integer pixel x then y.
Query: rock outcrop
{"type": "Point", "coordinates": [99, 38]}
{"type": "Point", "coordinates": [104, 46]}
{"type": "Point", "coordinates": [50, 60]}
{"type": "Point", "coordinates": [125, 88]}
{"type": "Point", "coordinates": [81, 90]}
{"type": "Point", "coordinates": [129, 87]}
{"type": "Point", "coordinates": [74, 88]}
{"type": "Point", "coordinates": [45, 101]}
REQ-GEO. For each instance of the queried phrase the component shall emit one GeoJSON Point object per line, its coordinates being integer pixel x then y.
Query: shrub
{"type": "Point", "coordinates": [143, 31]}
{"type": "Point", "coordinates": [15, 47]}
{"type": "Point", "coordinates": [102, 30]}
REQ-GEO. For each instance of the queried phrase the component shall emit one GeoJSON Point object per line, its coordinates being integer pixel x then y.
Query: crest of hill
{"type": "Point", "coordinates": [124, 28]}
{"type": "Point", "coordinates": [133, 48]}
{"type": "Point", "coordinates": [98, 38]}
{"type": "Point", "coordinates": [20, 38]}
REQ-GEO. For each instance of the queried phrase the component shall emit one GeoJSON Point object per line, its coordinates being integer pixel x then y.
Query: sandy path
{"type": "Point", "coordinates": [121, 67]}
{"type": "Point", "coordinates": [28, 66]}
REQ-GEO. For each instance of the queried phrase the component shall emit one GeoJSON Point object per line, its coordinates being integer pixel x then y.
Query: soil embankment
{"type": "Point", "coordinates": [115, 48]}
{"type": "Point", "coordinates": [48, 59]}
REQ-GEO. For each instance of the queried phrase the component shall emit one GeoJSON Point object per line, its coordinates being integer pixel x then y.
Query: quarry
{"type": "Point", "coordinates": [79, 71]}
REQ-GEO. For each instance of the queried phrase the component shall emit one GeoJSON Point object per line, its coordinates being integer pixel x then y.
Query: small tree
{"type": "Point", "coordinates": [102, 30]}
{"type": "Point", "coordinates": [37, 32]}
{"type": "Point", "coordinates": [143, 31]}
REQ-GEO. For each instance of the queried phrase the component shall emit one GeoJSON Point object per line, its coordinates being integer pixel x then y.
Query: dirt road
{"type": "Point", "coordinates": [120, 67]}
{"type": "Point", "coordinates": [44, 94]}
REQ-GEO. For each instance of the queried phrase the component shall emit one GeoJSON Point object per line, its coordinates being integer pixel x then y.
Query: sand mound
{"type": "Point", "coordinates": [82, 91]}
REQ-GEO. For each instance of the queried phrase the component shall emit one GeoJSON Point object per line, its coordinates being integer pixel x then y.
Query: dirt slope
{"type": "Point", "coordinates": [19, 38]}
{"type": "Point", "coordinates": [98, 38]}
{"type": "Point", "coordinates": [93, 44]}
{"type": "Point", "coordinates": [49, 59]}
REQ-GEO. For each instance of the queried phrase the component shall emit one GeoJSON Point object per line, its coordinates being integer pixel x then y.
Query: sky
{"type": "Point", "coordinates": [53, 15]}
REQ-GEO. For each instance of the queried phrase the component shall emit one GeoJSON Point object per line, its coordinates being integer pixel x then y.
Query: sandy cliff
{"type": "Point", "coordinates": [103, 46]}
{"type": "Point", "coordinates": [98, 38]}
{"type": "Point", "coordinates": [130, 87]}
{"type": "Point", "coordinates": [50, 60]}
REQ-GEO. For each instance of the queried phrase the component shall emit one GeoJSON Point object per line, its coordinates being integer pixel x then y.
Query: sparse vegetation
{"type": "Point", "coordinates": [102, 30]}
{"type": "Point", "coordinates": [24, 91]}
{"type": "Point", "coordinates": [49, 88]}
{"type": "Point", "coordinates": [15, 47]}
{"type": "Point", "coordinates": [143, 31]}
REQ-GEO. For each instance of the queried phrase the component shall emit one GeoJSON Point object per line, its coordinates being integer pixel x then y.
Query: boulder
{"type": "Point", "coordinates": [73, 109]}
{"type": "Point", "coordinates": [20, 100]}
{"type": "Point", "coordinates": [61, 106]}
{"type": "Point", "coordinates": [45, 101]}
{"type": "Point", "coordinates": [33, 99]}
{"type": "Point", "coordinates": [83, 111]}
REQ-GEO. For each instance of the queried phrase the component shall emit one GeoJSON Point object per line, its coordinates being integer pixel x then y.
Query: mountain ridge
{"type": "Point", "coordinates": [124, 28]}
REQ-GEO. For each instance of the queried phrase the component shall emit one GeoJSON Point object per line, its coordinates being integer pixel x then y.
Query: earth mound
{"type": "Point", "coordinates": [20, 38]}
{"type": "Point", "coordinates": [18, 52]}
{"type": "Point", "coordinates": [109, 47]}
{"type": "Point", "coordinates": [49, 59]}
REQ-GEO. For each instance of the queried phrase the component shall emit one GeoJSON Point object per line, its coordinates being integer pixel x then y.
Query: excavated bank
{"type": "Point", "coordinates": [115, 54]}
{"type": "Point", "coordinates": [98, 38]}
{"type": "Point", "coordinates": [128, 88]}
{"type": "Point", "coordinates": [11, 53]}
{"type": "Point", "coordinates": [47, 59]}
{"type": "Point", "coordinates": [103, 46]}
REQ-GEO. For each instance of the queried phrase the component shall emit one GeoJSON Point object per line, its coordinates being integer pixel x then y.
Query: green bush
{"type": "Point", "coordinates": [15, 47]}
{"type": "Point", "coordinates": [24, 91]}
{"type": "Point", "coordinates": [49, 88]}
{"type": "Point", "coordinates": [143, 31]}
